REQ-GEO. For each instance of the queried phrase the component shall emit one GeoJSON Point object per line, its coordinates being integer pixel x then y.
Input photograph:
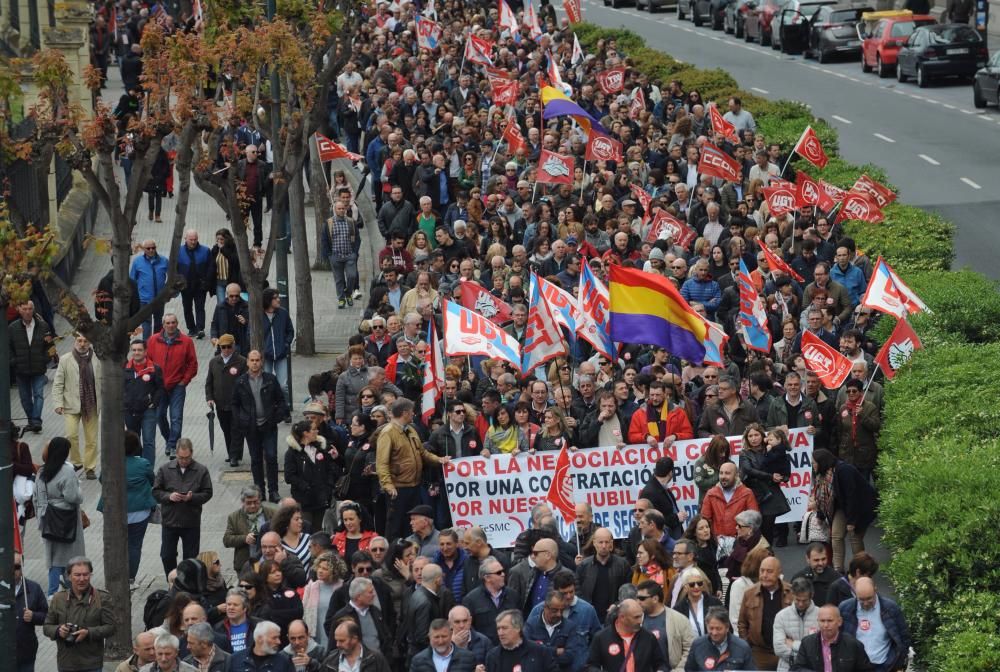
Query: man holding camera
{"type": "Point", "coordinates": [79, 620]}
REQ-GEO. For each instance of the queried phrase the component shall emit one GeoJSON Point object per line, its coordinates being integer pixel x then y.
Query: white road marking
{"type": "Point", "coordinates": [841, 119]}
{"type": "Point", "coordinates": [970, 183]}
{"type": "Point", "coordinates": [884, 137]}
{"type": "Point", "coordinates": [949, 107]}
{"type": "Point", "coordinates": [967, 112]}
{"type": "Point", "coordinates": [760, 91]}
{"type": "Point", "coordinates": [929, 160]}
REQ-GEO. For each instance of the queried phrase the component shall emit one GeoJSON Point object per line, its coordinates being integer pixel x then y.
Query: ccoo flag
{"type": "Point", "coordinates": [647, 308]}
{"type": "Point", "coordinates": [898, 350]}
{"type": "Point", "coordinates": [888, 294]}
{"type": "Point", "coordinates": [433, 375]}
{"type": "Point", "coordinates": [752, 317]}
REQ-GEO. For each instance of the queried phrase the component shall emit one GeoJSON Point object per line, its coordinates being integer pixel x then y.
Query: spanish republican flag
{"type": "Point", "coordinates": [648, 309]}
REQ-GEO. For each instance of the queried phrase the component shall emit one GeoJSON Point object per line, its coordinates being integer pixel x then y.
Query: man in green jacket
{"type": "Point", "coordinates": [79, 620]}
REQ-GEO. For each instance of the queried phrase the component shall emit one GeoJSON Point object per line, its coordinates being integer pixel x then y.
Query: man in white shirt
{"type": "Point", "coordinates": [738, 117]}
{"type": "Point", "coordinates": [348, 78]}
{"type": "Point", "coordinates": [442, 654]}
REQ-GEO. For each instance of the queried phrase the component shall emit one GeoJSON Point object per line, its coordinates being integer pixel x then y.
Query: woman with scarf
{"type": "Point", "coordinates": [845, 499]}
{"type": "Point", "coordinates": [504, 436]}
{"type": "Point", "coordinates": [748, 537]}
{"type": "Point", "coordinates": [76, 395]}
{"type": "Point", "coordinates": [215, 584]}
{"type": "Point", "coordinates": [311, 471]}
{"type": "Point", "coordinates": [651, 564]}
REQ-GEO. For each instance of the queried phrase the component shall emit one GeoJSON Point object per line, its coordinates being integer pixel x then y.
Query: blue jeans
{"type": "Point", "coordinates": [149, 328]}
{"type": "Point", "coordinates": [172, 416]}
{"type": "Point", "coordinates": [144, 424]}
{"type": "Point", "coordinates": [136, 533]}
{"type": "Point", "coordinates": [55, 574]}
{"type": "Point", "coordinates": [190, 537]}
{"type": "Point", "coordinates": [32, 391]}
{"type": "Point", "coordinates": [262, 444]}
{"type": "Point", "coordinates": [345, 274]}
{"type": "Point", "coordinates": [279, 367]}
{"type": "Point", "coordinates": [220, 292]}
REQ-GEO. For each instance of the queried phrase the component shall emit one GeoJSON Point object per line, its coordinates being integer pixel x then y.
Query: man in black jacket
{"type": "Point", "coordinates": [362, 566]}
{"type": "Point", "coordinates": [375, 632]}
{"type": "Point", "coordinates": [430, 600]}
{"type": "Point", "coordinates": [30, 610]}
{"type": "Point", "coordinates": [232, 317]}
{"type": "Point", "coordinates": [657, 491]}
{"type": "Point", "coordinates": [609, 651]}
{"type": "Point", "coordinates": [223, 371]}
{"type": "Point", "coordinates": [489, 599]}
{"type": "Point", "coordinates": [455, 659]}
{"type": "Point", "coordinates": [846, 653]}
{"type": "Point", "coordinates": [258, 406]}
{"type": "Point", "coordinates": [255, 174]}
{"type": "Point", "coordinates": [141, 395]}
{"type": "Point", "coordinates": [515, 653]}
{"type": "Point", "coordinates": [182, 487]}
{"type": "Point", "coordinates": [602, 574]}
{"type": "Point", "coordinates": [31, 350]}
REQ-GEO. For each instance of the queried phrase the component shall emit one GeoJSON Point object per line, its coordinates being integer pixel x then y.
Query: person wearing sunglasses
{"type": "Point", "coordinates": [671, 629]}
{"type": "Point", "coordinates": [696, 598]}
{"type": "Point", "coordinates": [223, 371]}
{"type": "Point", "coordinates": [232, 316]}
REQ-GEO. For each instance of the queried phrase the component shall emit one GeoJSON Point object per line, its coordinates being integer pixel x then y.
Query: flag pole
{"type": "Point", "coordinates": [787, 161]}
{"type": "Point", "coordinates": [583, 179]}
{"type": "Point", "coordinates": [868, 384]}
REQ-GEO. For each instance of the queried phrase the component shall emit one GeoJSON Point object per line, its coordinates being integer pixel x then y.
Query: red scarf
{"type": "Point", "coordinates": [854, 408]}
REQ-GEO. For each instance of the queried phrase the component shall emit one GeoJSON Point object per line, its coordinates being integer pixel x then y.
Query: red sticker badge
{"type": "Point", "coordinates": [865, 624]}
{"type": "Point", "coordinates": [614, 649]}
{"type": "Point", "coordinates": [145, 378]}
{"type": "Point", "coordinates": [844, 413]}
{"type": "Point", "coordinates": [710, 663]}
{"type": "Point", "coordinates": [809, 415]}
{"type": "Point", "coordinates": [233, 370]}
{"type": "Point", "coordinates": [720, 422]}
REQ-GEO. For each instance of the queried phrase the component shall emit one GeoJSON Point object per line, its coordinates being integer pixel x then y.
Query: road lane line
{"type": "Point", "coordinates": [929, 160]}
{"type": "Point", "coordinates": [884, 137]}
{"type": "Point", "coordinates": [760, 91]}
{"type": "Point", "coordinates": [970, 183]}
{"type": "Point", "coordinates": [841, 119]}
{"type": "Point", "coordinates": [950, 107]}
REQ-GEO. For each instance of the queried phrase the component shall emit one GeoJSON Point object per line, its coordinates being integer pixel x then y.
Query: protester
{"type": "Point", "coordinates": [182, 487]}
{"type": "Point", "coordinates": [57, 504]}
{"type": "Point", "coordinates": [79, 619]}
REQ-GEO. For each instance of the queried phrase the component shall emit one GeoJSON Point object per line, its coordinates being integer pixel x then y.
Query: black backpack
{"type": "Point", "coordinates": [155, 609]}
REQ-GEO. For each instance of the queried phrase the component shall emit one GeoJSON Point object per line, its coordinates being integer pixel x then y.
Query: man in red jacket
{"type": "Point", "coordinates": [657, 421]}
{"type": "Point", "coordinates": [725, 500]}
{"type": "Point", "coordinates": [174, 353]}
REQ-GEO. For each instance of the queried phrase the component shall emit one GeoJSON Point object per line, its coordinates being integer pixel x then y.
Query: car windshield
{"type": "Point", "coordinates": [902, 29]}
{"type": "Point", "coordinates": [952, 34]}
{"type": "Point", "coordinates": [846, 16]}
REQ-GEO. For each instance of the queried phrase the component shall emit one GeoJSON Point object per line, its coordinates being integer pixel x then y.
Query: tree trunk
{"type": "Point", "coordinates": [321, 204]}
{"type": "Point", "coordinates": [305, 324]}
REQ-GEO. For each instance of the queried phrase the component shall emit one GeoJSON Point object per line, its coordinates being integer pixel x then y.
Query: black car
{"type": "Point", "coordinates": [717, 13]}
{"type": "Point", "coordinates": [698, 10]}
{"type": "Point", "coordinates": [735, 15]}
{"type": "Point", "coordinates": [986, 88]}
{"type": "Point", "coordinates": [618, 3]}
{"type": "Point", "coordinates": [933, 52]}
{"type": "Point", "coordinates": [832, 31]}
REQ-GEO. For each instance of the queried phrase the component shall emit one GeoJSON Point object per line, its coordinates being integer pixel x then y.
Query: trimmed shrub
{"type": "Point", "coordinates": [911, 239]}
{"type": "Point", "coordinates": [969, 639]}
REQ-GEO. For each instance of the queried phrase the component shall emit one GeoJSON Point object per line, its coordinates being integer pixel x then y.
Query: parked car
{"type": "Point", "coordinates": [717, 13]}
{"type": "Point", "coordinates": [757, 23]}
{"type": "Point", "coordinates": [653, 5]}
{"type": "Point", "coordinates": [698, 10]}
{"type": "Point", "coordinates": [832, 31]}
{"type": "Point", "coordinates": [618, 3]}
{"type": "Point", "coordinates": [883, 33]}
{"type": "Point", "coordinates": [736, 12]}
{"type": "Point", "coordinates": [934, 52]}
{"type": "Point", "coordinates": [986, 88]}
{"type": "Point", "coordinates": [790, 25]}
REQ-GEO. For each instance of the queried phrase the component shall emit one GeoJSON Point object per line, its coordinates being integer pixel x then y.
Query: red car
{"type": "Point", "coordinates": [882, 34]}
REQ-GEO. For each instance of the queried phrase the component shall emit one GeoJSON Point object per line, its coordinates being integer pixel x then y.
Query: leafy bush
{"type": "Point", "coordinates": [910, 238]}
{"type": "Point", "coordinates": [969, 639]}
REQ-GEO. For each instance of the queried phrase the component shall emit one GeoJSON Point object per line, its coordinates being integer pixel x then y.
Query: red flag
{"type": "Point", "coordinates": [555, 168]}
{"type": "Point", "coordinates": [781, 199]}
{"type": "Point", "coordinates": [330, 150]}
{"type": "Point", "coordinates": [809, 192]}
{"type": "Point", "coordinates": [888, 293]}
{"type": "Point", "coordinates": [18, 546]}
{"type": "Point", "coordinates": [678, 230]}
{"type": "Point", "coordinates": [880, 194]}
{"type": "Point", "coordinates": [611, 81]}
{"type": "Point", "coordinates": [474, 296]}
{"type": "Point", "coordinates": [602, 148]}
{"type": "Point", "coordinates": [573, 10]}
{"type": "Point", "coordinates": [898, 349]}
{"type": "Point", "coordinates": [717, 163]}
{"type": "Point", "coordinates": [505, 92]}
{"type": "Point", "coordinates": [720, 125]}
{"type": "Point", "coordinates": [512, 136]}
{"type": "Point", "coordinates": [477, 50]}
{"type": "Point", "coordinates": [834, 192]}
{"type": "Point", "coordinates": [496, 73]}
{"type": "Point", "coordinates": [645, 200]}
{"type": "Point", "coordinates": [774, 262]}
{"type": "Point", "coordinates": [827, 363]}
{"type": "Point", "coordinates": [860, 207]}
{"type": "Point", "coordinates": [560, 494]}
{"type": "Point", "coordinates": [637, 105]}
{"type": "Point", "coordinates": [810, 148]}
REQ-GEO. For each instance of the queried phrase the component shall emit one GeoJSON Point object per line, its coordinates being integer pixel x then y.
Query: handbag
{"type": "Point", "coordinates": [60, 524]}
{"type": "Point", "coordinates": [24, 488]}
{"type": "Point", "coordinates": [342, 486]}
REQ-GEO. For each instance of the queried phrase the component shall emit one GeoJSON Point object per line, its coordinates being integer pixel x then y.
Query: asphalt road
{"type": "Point", "coordinates": [942, 153]}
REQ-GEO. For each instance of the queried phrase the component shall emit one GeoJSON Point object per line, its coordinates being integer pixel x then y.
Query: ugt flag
{"type": "Point", "coordinates": [594, 302]}
{"type": "Point", "coordinates": [752, 318]}
{"type": "Point", "coordinates": [811, 149]}
{"type": "Point", "coordinates": [827, 363]}
{"type": "Point", "coordinates": [542, 337]}
{"type": "Point", "coordinates": [470, 334]}
{"type": "Point", "coordinates": [428, 33]}
{"type": "Point", "coordinates": [560, 494]}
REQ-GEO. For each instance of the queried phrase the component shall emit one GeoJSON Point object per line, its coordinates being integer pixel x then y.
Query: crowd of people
{"type": "Point", "coordinates": [347, 558]}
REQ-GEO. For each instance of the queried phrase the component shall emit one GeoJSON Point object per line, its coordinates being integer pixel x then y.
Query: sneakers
{"type": "Point", "coordinates": [91, 476]}
{"type": "Point", "coordinates": [350, 302]}
{"type": "Point", "coordinates": [356, 295]}
{"type": "Point", "coordinates": [341, 304]}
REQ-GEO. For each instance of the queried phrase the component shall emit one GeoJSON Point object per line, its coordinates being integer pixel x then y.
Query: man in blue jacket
{"type": "Point", "coordinates": [878, 623]}
{"type": "Point", "coordinates": [149, 272]}
{"type": "Point", "coordinates": [278, 336]}
{"type": "Point", "coordinates": [548, 628]}
{"type": "Point", "coordinates": [194, 262]}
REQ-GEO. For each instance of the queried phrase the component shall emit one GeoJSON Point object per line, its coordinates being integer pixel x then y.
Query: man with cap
{"type": "Point", "coordinates": [424, 534]}
{"type": "Point", "coordinates": [223, 371]}
{"type": "Point", "coordinates": [657, 262]}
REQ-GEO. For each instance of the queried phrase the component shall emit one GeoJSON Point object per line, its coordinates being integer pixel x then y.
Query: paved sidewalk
{"type": "Point", "coordinates": [333, 327]}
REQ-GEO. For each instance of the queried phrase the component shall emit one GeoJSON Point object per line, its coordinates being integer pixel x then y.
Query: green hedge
{"type": "Point", "coordinates": [940, 445]}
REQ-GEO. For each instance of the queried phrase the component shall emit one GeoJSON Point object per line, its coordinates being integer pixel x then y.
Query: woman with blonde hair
{"type": "Point", "coordinates": [316, 597]}
{"type": "Point", "coordinates": [215, 587]}
{"type": "Point", "coordinates": [555, 431]}
{"type": "Point", "coordinates": [695, 598]}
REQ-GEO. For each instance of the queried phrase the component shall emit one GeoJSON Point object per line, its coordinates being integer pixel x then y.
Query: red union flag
{"type": "Point", "coordinates": [505, 92]}
{"type": "Point", "coordinates": [602, 148]}
{"type": "Point", "coordinates": [611, 81]}
{"type": "Point", "coordinates": [512, 136]}
{"type": "Point", "coordinates": [555, 168]}
{"type": "Point", "coordinates": [720, 125]}
{"type": "Point", "coordinates": [478, 50]}
{"type": "Point", "coordinates": [827, 363]}
{"type": "Point", "coordinates": [428, 34]}
{"type": "Point", "coordinates": [637, 105]}
{"type": "Point", "coordinates": [774, 262]}
{"type": "Point", "coordinates": [664, 224]}
{"type": "Point", "coordinates": [898, 350]}
{"type": "Point", "coordinates": [573, 10]}
{"type": "Point", "coordinates": [560, 494]}
{"type": "Point", "coordinates": [834, 192]}
{"type": "Point", "coordinates": [645, 200]}
{"type": "Point", "coordinates": [880, 194]}
{"type": "Point", "coordinates": [780, 199]}
{"type": "Point", "coordinates": [717, 163]}
{"type": "Point", "coordinates": [860, 207]}
{"type": "Point", "coordinates": [811, 193]}
{"type": "Point", "coordinates": [330, 150]}
{"type": "Point", "coordinates": [810, 148]}
{"type": "Point", "coordinates": [474, 296]}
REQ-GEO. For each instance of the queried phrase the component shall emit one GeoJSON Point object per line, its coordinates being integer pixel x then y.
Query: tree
{"type": "Point", "coordinates": [174, 69]}
{"type": "Point", "coordinates": [282, 69]}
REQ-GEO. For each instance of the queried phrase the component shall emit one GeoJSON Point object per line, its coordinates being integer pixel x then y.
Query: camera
{"type": "Point", "coordinates": [71, 635]}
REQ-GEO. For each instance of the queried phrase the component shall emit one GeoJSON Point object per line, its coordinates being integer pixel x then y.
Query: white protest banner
{"type": "Point", "coordinates": [497, 493]}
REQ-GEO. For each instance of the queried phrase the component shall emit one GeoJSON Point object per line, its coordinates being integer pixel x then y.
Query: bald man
{"type": "Point", "coordinates": [600, 575]}
{"type": "Point", "coordinates": [846, 653]}
{"type": "Point", "coordinates": [531, 583]}
{"type": "Point", "coordinates": [761, 603]}
{"type": "Point", "coordinates": [465, 637]}
{"type": "Point", "coordinates": [878, 623]}
{"type": "Point", "coordinates": [626, 636]}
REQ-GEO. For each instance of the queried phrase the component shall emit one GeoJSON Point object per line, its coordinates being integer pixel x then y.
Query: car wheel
{"type": "Point", "coordinates": [977, 97]}
{"type": "Point", "coordinates": [821, 55]}
{"type": "Point", "coordinates": [717, 23]}
{"type": "Point", "coordinates": [864, 64]}
{"type": "Point", "coordinates": [922, 79]}
{"type": "Point", "coordinates": [651, 8]}
{"type": "Point", "coordinates": [881, 68]}
{"type": "Point", "coordinates": [680, 12]}
{"type": "Point", "coordinates": [696, 17]}
{"type": "Point", "coordinates": [900, 77]}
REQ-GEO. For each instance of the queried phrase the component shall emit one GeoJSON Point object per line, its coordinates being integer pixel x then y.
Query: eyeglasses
{"type": "Point", "coordinates": [217, 562]}
{"type": "Point", "coordinates": [364, 569]}
{"type": "Point", "coordinates": [377, 327]}
{"type": "Point", "coordinates": [709, 396]}
{"type": "Point", "coordinates": [225, 347]}
{"type": "Point", "coordinates": [367, 396]}
{"type": "Point", "coordinates": [377, 550]}
{"type": "Point", "coordinates": [458, 411]}
{"type": "Point", "coordinates": [499, 572]}
{"type": "Point", "coordinates": [743, 527]}
{"type": "Point", "coordinates": [643, 597]}
{"type": "Point", "coordinates": [247, 586]}
{"type": "Point", "coordinates": [534, 553]}
{"type": "Point", "coordinates": [564, 368]}
{"type": "Point", "coordinates": [695, 584]}
{"type": "Point", "coordinates": [149, 247]}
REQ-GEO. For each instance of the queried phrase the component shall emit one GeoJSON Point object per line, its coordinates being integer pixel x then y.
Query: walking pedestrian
{"type": "Point", "coordinates": [223, 371]}
{"type": "Point", "coordinates": [57, 505]}
{"type": "Point", "coordinates": [80, 618]}
{"type": "Point", "coordinates": [338, 246]}
{"type": "Point", "coordinates": [141, 396]}
{"type": "Point", "coordinates": [194, 263]}
{"type": "Point", "coordinates": [182, 487]}
{"type": "Point", "coordinates": [174, 353]}
{"type": "Point", "coordinates": [258, 405]}
{"type": "Point", "coordinates": [278, 336]}
{"type": "Point", "coordinates": [149, 272]}
{"type": "Point", "coordinates": [30, 610]}
{"type": "Point", "coordinates": [30, 353]}
{"type": "Point", "coordinates": [76, 395]}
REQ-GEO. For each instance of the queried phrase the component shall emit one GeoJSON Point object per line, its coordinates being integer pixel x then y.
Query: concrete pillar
{"type": "Point", "coordinates": [71, 36]}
